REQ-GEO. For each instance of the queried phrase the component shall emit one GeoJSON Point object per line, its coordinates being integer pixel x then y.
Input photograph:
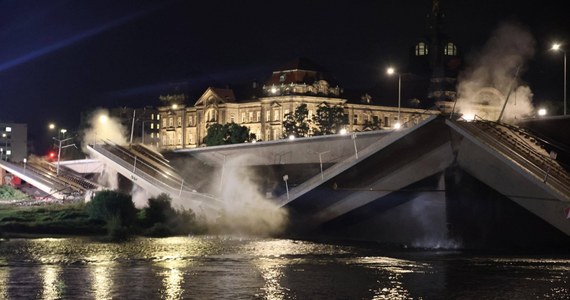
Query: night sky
{"type": "Point", "coordinates": [59, 58]}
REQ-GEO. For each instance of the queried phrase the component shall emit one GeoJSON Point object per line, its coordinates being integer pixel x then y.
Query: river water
{"type": "Point", "coordinates": [221, 267]}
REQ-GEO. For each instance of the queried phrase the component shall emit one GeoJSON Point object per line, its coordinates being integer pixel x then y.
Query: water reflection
{"type": "Point", "coordinates": [53, 285]}
{"type": "Point", "coordinates": [4, 279]}
{"type": "Point", "coordinates": [173, 278]}
{"type": "Point", "coordinates": [275, 269]}
{"type": "Point", "coordinates": [101, 275]}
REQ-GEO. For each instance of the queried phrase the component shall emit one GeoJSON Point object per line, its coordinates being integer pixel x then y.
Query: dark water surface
{"type": "Point", "coordinates": [242, 268]}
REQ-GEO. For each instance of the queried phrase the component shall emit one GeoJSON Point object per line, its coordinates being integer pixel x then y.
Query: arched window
{"type": "Point", "coordinates": [450, 49]}
{"type": "Point", "coordinates": [421, 49]}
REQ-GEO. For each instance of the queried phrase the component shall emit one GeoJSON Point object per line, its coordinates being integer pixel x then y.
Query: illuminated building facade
{"type": "Point", "coordinates": [262, 108]}
{"type": "Point", "coordinates": [13, 141]}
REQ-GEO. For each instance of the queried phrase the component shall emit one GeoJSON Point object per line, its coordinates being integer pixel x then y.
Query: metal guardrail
{"type": "Point", "coordinates": [172, 187]}
{"type": "Point", "coordinates": [516, 148]}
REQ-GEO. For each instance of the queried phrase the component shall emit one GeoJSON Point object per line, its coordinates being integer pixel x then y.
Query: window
{"type": "Point", "coordinates": [267, 115]}
{"type": "Point", "coordinates": [158, 117]}
{"type": "Point", "coordinates": [8, 129]}
{"type": "Point", "coordinates": [157, 126]}
{"type": "Point", "coordinates": [157, 135]}
{"type": "Point", "coordinates": [190, 121]}
{"type": "Point", "coordinates": [450, 49]}
{"type": "Point", "coordinates": [179, 121]}
{"type": "Point", "coordinates": [421, 49]}
{"type": "Point", "coordinates": [251, 116]}
{"type": "Point", "coordinates": [355, 119]}
{"type": "Point", "coordinates": [170, 122]}
{"type": "Point", "coordinates": [179, 140]}
{"type": "Point", "coordinates": [152, 116]}
{"type": "Point", "coordinates": [386, 121]}
{"type": "Point", "coordinates": [190, 138]}
{"type": "Point", "coordinates": [164, 123]}
{"type": "Point", "coordinates": [243, 117]}
{"type": "Point", "coordinates": [152, 135]}
{"type": "Point", "coordinates": [276, 115]}
{"type": "Point", "coordinates": [151, 126]}
{"type": "Point", "coordinates": [258, 116]}
{"type": "Point", "coordinates": [282, 78]}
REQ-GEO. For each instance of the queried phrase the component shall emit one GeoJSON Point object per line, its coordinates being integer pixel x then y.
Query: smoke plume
{"type": "Point", "coordinates": [495, 74]}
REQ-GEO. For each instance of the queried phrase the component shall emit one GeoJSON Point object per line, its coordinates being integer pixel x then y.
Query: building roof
{"type": "Point", "coordinates": [300, 71]}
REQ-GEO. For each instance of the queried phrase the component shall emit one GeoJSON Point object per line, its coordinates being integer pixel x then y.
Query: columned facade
{"type": "Point", "coordinates": [184, 126]}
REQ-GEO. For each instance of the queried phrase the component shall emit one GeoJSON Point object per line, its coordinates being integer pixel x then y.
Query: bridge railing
{"type": "Point", "coordinates": [169, 185]}
{"type": "Point", "coordinates": [516, 148]}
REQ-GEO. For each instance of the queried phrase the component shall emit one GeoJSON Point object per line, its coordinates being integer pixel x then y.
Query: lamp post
{"type": "Point", "coordinates": [557, 47]}
{"type": "Point", "coordinates": [59, 151]}
{"type": "Point", "coordinates": [391, 71]}
{"type": "Point", "coordinates": [5, 137]}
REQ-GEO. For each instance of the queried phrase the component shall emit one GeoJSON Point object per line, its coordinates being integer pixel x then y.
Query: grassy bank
{"type": "Point", "coordinates": [49, 219]}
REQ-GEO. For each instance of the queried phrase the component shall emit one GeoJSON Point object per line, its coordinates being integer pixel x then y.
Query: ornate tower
{"type": "Point", "coordinates": [436, 59]}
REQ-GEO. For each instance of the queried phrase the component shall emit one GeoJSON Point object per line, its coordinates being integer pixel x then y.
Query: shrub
{"type": "Point", "coordinates": [107, 205]}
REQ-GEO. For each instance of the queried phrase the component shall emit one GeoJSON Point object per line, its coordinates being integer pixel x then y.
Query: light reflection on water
{"type": "Point", "coordinates": [222, 267]}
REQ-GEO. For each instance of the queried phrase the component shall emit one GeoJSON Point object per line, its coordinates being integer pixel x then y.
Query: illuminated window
{"type": "Point", "coordinates": [157, 126]}
{"type": "Point", "coordinates": [258, 116]}
{"type": "Point", "coordinates": [8, 152]}
{"type": "Point", "coordinates": [8, 129]}
{"type": "Point", "coordinates": [152, 135]}
{"type": "Point", "coordinates": [190, 121]}
{"type": "Point", "coordinates": [164, 123]}
{"type": "Point", "coordinates": [158, 117]}
{"type": "Point", "coordinates": [421, 49]}
{"type": "Point", "coordinates": [282, 78]}
{"type": "Point", "coordinates": [450, 49]}
{"type": "Point", "coordinates": [179, 139]}
{"type": "Point", "coordinates": [276, 115]}
{"type": "Point", "coordinates": [170, 122]}
{"type": "Point", "coordinates": [243, 117]}
{"type": "Point", "coordinates": [152, 116]}
{"type": "Point", "coordinates": [232, 118]}
{"type": "Point", "coordinates": [179, 121]}
{"type": "Point", "coordinates": [267, 115]}
{"type": "Point", "coordinates": [157, 135]}
{"type": "Point", "coordinates": [251, 116]}
{"type": "Point", "coordinates": [151, 126]}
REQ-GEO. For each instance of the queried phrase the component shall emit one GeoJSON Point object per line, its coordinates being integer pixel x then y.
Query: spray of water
{"type": "Point", "coordinates": [246, 210]}
{"type": "Point", "coordinates": [495, 74]}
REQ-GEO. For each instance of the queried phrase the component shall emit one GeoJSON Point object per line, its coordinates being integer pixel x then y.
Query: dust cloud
{"type": "Point", "coordinates": [102, 127]}
{"type": "Point", "coordinates": [495, 75]}
{"type": "Point", "coordinates": [245, 211]}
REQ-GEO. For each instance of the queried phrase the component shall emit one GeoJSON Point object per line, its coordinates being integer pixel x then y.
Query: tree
{"type": "Point", "coordinates": [297, 123]}
{"type": "Point", "coordinates": [116, 209]}
{"type": "Point", "coordinates": [375, 124]}
{"type": "Point", "coordinates": [229, 133]}
{"type": "Point", "coordinates": [107, 205]}
{"type": "Point", "coordinates": [329, 119]}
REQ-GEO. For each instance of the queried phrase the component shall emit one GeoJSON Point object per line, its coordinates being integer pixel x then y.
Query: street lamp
{"type": "Point", "coordinates": [5, 137]}
{"type": "Point", "coordinates": [557, 47]}
{"type": "Point", "coordinates": [392, 71]}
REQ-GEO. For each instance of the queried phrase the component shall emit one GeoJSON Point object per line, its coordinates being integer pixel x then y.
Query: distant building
{"type": "Point", "coordinates": [13, 141]}
{"type": "Point", "coordinates": [262, 108]}
{"type": "Point", "coordinates": [144, 129]}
